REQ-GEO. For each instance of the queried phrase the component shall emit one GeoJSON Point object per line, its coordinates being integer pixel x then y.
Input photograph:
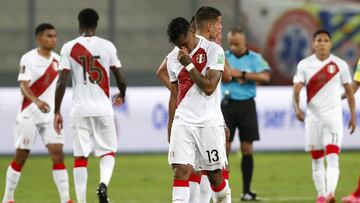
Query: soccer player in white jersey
{"type": "Point", "coordinates": [324, 75]}
{"type": "Point", "coordinates": [37, 77]}
{"type": "Point", "coordinates": [197, 130]}
{"type": "Point", "coordinates": [90, 59]}
{"type": "Point", "coordinates": [209, 26]}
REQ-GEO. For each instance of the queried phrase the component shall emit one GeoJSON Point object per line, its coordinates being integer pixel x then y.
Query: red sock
{"type": "Point", "coordinates": [17, 167]}
{"type": "Point", "coordinates": [357, 191]}
{"type": "Point", "coordinates": [225, 174]}
{"type": "Point", "coordinates": [195, 178]}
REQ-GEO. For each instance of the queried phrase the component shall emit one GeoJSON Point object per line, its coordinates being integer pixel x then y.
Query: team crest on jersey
{"type": "Point", "coordinates": [200, 58]}
{"type": "Point", "coordinates": [55, 65]}
{"type": "Point", "coordinates": [331, 69]}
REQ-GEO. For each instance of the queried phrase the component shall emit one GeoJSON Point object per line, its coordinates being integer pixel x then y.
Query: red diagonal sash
{"type": "Point", "coordinates": [43, 83]}
{"type": "Point", "coordinates": [199, 59]}
{"type": "Point", "coordinates": [320, 79]}
{"type": "Point", "coordinates": [80, 51]}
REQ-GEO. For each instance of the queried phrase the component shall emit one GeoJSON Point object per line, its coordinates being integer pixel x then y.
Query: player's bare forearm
{"type": "Point", "coordinates": [26, 91]}
{"type": "Point", "coordinates": [226, 76]}
{"type": "Point", "coordinates": [296, 95]}
{"type": "Point", "coordinates": [206, 83]}
{"type": "Point", "coordinates": [162, 73]}
{"type": "Point", "coordinates": [355, 86]}
{"type": "Point", "coordinates": [60, 89]}
{"type": "Point", "coordinates": [351, 100]}
{"type": "Point", "coordinates": [172, 105]}
{"type": "Point", "coordinates": [120, 81]}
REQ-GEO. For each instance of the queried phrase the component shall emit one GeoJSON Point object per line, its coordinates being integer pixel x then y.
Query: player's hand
{"type": "Point", "coordinates": [352, 125]}
{"type": "Point", "coordinates": [183, 57]}
{"type": "Point", "coordinates": [118, 100]}
{"type": "Point", "coordinates": [58, 123]}
{"type": "Point", "coordinates": [300, 115]}
{"type": "Point", "coordinates": [43, 106]}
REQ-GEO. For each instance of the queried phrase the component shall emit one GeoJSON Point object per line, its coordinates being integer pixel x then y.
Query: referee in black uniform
{"type": "Point", "coordinates": [238, 104]}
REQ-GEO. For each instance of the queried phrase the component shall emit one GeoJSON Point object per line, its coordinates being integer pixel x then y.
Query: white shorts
{"type": "Point", "coordinates": [26, 133]}
{"type": "Point", "coordinates": [201, 147]}
{"type": "Point", "coordinates": [96, 131]}
{"type": "Point", "coordinates": [323, 132]}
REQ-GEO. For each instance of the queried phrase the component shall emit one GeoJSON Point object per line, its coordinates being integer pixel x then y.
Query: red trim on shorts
{"type": "Point", "coordinates": [332, 149]}
{"type": "Point", "coordinates": [60, 166]}
{"type": "Point", "coordinates": [17, 167]}
{"type": "Point", "coordinates": [220, 187]}
{"type": "Point", "coordinates": [317, 154]}
{"type": "Point", "coordinates": [108, 154]}
{"type": "Point", "coordinates": [181, 183]}
{"type": "Point", "coordinates": [80, 162]}
{"type": "Point", "coordinates": [225, 174]}
{"type": "Point", "coordinates": [195, 178]}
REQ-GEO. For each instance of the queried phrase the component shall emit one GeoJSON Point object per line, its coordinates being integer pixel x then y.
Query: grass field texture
{"type": "Point", "coordinates": [279, 177]}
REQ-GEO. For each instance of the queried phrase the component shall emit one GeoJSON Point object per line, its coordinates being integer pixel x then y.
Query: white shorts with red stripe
{"type": "Point", "coordinates": [323, 132]}
{"type": "Point", "coordinates": [27, 131]}
{"type": "Point", "coordinates": [98, 132]}
{"type": "Point", "coordinates": [203, 148]}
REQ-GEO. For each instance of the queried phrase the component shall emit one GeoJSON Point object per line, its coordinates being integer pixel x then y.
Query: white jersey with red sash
{"type": "Point", "coordinates": [43, 74]}
{"type": "Point", "coordinates": [194, 106]}
{"type": "Point", "coordinates": [90, 59]}
{"type": "Point", "coordinates": [324, 82]}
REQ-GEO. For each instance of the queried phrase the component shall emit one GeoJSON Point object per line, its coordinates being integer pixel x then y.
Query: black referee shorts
{"type": "Point", "coordinates": [241, 114]}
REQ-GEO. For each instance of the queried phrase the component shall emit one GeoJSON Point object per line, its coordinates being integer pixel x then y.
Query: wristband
{"type": "Point", "coordinates": [190, 67]}
{"type": "Point", "coordinates": [243, 75]}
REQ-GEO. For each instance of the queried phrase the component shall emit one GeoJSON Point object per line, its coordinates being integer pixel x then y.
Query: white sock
{"type": "Point", "coordinates": [80, 181]}
{"type": "Point", "coordinates": [181, 191]}
{"type": "Point", "coordinates": [194, 192]}
{"type": "Point", "coordinates": [205, 190]}
{"type": "Point", "coordinates": [228, 196]}
{"type": "Point", "coordinates": [107, 164]}
{"type": "Point", "coordinates": [332, 172]}
{"type": "Point", "coordinates": [61, 180]}
{"type": "Point", "coordinates": [12, 179]}
{"type": "Point", "coordinates": [221, 193]}
{"type": "Point", "coordinates": [318, 173]}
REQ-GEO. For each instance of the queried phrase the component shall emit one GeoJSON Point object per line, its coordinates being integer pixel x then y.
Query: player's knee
{"type": "Point", "coordinates": [57, 155]}
{"type": "Point", "coordinates": [332, 149]}
{"type": "Point", "coordinates": [215, 177]}
{"type": "Point", "coordinates": [246, 148]}
{"type": "Point", "coordinates": [21, 156]}
{"type": "Point", "coordinates": [181, 172]}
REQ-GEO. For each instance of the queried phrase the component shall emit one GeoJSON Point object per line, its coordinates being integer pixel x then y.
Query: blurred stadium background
{"type": "Point", "coordinates": [279, 29]}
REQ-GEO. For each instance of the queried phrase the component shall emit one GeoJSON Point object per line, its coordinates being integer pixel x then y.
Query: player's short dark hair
{"type": "Point", "coordinates": [88, 18]}
{"type": "Point", "coordinates": [206, 13]}
{"type": "Point", "coordinates": [42, 27]}
{"type": "Point", "coordinates": [236, 30]}
{"type": "Point", "coordinates": [177, 27]}
{"type": "Point", "coordinates": [321, 31]}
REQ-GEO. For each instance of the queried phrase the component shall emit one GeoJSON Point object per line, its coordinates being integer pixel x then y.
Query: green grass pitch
{"type": "Point", "coordinates": [279, 177]}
